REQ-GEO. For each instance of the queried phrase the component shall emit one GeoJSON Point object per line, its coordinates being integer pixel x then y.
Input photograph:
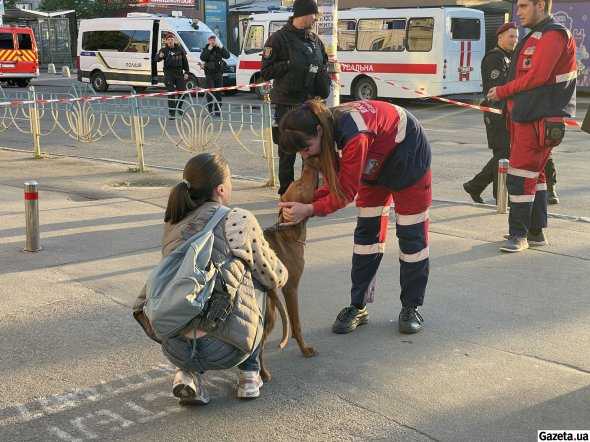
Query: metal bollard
{"type": "Point", "coordinates": [501, 191]}
{"type": "Point", "coordinates": [32, 216]}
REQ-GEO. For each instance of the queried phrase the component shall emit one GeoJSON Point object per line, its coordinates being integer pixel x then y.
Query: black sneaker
{"type": "Point", "coordinates": [410, 320]}
{"type": "Point", "coordinates": [473, 193]}
{"type": "Point", "coordinates": [349, 318]}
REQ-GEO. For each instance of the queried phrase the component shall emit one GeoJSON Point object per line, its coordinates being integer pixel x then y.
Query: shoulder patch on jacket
{"type": "Point", "coordinates": [267, 52]}
{"type": "Point", "coordinates": [494, 74]}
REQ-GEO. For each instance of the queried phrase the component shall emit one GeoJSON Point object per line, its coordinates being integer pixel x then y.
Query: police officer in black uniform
{"type": "Point", "coordinates": [295, 58]}
{"type": "Point", "coordinates": [212, 55]}
{"type": "Point", "coordinates": [494, 72]}
{"type": "Point", "coordinates": [175, 62]}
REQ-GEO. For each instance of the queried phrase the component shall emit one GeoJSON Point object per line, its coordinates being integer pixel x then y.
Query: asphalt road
{"type": "Point", "coordinates": [503, 353]}
{"type": "Point", "coordinates": [457, 136]}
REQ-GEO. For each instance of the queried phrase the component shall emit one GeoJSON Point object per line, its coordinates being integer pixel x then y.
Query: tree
{"type": "Point", "coordinates": [85, 8]}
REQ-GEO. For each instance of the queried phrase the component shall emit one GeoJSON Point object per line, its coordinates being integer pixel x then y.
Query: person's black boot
{"type": "Point", "coordinates": [473, 193]}
{"type": "Point", "coordinates": [410, 320]}
{"type": "Point", "coordinates": [349, 319]}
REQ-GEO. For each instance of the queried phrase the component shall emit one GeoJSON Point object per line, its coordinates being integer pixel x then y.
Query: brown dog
{"type": "Point", "coordinates": [288, 243]}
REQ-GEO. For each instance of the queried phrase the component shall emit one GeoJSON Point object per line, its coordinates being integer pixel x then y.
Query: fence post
{"type": "Point", "coordinates": [501, 191]}
{"type": "Point", "coordinates": [267, 123]}
{"type": "Point", "coordinates": [138, 131]}
{"type": "Point", "coordinates": [35, 124]}
{"type": "Point", "coordinates": [32, 216]}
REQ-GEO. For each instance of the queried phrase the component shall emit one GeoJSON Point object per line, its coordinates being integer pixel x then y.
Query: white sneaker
{"type": "Point", "coordinates": [249, 383]}
{"type": "Point", "coordinates": [188, 388]}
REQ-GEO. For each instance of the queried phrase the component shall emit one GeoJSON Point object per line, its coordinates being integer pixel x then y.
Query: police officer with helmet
{"type": "Point", "coordinates": [494, 72]}
{"type": "Point", "coordinates": [295, 59]}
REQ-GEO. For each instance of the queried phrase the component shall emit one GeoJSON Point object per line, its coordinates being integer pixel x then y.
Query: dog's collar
{"type": "Point", "coordinates": [278, 227]}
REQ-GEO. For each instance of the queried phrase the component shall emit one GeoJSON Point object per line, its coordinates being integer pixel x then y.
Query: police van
{"type": "Point", "coordinates": [19, 62]}
{"type": "Point", "coordinates": [121, 51]}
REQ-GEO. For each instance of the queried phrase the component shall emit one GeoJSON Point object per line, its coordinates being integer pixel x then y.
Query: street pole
{"type": "Point", "coordinates": [328, 32]}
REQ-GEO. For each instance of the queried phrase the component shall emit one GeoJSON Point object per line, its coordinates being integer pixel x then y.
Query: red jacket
{"type": "Point", "coordinates": [379, 144]}
{"type": "Point", "coordinates": [543, 75]}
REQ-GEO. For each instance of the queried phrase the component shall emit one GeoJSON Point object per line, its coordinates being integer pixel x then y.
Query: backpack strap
{"type": "Point", "coordinates": [211, 224]}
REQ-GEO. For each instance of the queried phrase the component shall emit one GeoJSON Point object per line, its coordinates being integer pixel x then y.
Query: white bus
{"type": "Point", "coordinates": [437, 51]}
{"type": "Point", "coordinates": [121, 51]}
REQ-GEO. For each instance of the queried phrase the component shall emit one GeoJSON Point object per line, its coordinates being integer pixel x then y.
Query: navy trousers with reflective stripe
{"type": "Point", "coordinates": [411, 206]}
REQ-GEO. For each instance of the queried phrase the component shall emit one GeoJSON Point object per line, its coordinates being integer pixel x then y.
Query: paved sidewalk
{"type": "Point", "coordinates": [503, 353]}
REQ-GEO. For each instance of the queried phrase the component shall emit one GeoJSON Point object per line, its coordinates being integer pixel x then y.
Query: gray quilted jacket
{"type": "Point", "coordinates": [240, 245]}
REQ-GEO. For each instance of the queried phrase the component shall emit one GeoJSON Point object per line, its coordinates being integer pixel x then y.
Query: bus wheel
{"type": "Point", "coordinates": [365, 89]}
{"type": "Point", "coordinates": [23, 82]}
{"type": "Point", "coordinates": [262, 90]}
{"type": "Point", "coordinates": [99, 83]}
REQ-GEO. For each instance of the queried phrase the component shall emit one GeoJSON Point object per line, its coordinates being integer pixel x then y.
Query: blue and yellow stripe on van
{"type": "Point", "coordinates": [97, 55]}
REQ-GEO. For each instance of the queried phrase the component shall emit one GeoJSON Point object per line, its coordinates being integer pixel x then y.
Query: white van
{"type": "Point", "coordinates": [121, 51]}
{"type": "Point", "coordinates": [436, 51]}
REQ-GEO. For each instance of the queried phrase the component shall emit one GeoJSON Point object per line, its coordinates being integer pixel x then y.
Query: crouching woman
{"type": "Point", "coordinates": [249, 267]}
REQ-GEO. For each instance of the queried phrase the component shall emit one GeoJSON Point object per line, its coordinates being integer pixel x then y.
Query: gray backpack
{"type": "Point", "coordinates": [179, 287]}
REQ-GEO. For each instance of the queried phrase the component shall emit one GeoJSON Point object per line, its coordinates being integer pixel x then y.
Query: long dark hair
{"type": "Point", "coordinates": [204, 173]}
{"type": "Point", "coordinates": [300, 125]}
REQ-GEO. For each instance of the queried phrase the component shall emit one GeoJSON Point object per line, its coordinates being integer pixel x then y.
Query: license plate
{"type": "Point", "coordinates": [8, 65]}
{"type": "Point", "coordinates": [465, 69]}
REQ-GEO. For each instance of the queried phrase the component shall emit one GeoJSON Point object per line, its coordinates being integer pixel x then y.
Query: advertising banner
{"type": "Point", "coordinates": [216, 18]}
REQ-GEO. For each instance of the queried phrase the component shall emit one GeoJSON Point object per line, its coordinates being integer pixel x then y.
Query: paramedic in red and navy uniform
{"type": "Point", "coordinates": [540, 92]}
{"type": "Point", "coordinates": [378, 153]}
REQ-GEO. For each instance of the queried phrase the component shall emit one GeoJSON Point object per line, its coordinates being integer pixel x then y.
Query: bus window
{"type": "Point", "coordinates": [381, 35]}
{"type": "Point", "coordinates": [254, 41]}
{"type": "Point", "coordinates": [346, 35]}
{"type": "Point", "coordinates": [6, 41]}
{"type": "Point", "coordinates": [465, 29]}
{"type": "Point", "coordinates": [420, 31]}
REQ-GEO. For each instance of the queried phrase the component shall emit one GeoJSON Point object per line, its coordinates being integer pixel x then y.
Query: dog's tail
{"type": "Point", "coordinates": [273, 294]}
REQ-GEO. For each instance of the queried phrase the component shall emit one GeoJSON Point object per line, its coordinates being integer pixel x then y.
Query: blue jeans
{"type": "Point", "coordinates": [211, 354]}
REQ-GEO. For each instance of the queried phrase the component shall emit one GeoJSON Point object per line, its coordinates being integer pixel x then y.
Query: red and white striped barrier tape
{"type": "Point", "coordinates": [123, 97]}
{"type": "Point", "coordinates": [447, 100]}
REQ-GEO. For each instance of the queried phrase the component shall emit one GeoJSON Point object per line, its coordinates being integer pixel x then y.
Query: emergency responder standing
{"type": "Point", "coordinates": [494, 72]}
{"type": "Point", "coordinates": [541, 92]}
{"type": "Point", "coordinates": [175, 63]}
{"type": "Point", "coordinates": [212, 55]}
{"type": "Point", "coordinates": [295, 58]}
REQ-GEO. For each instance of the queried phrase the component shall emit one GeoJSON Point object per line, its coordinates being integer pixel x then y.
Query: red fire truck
{"type": "Point", "coordinates": [19, 62]}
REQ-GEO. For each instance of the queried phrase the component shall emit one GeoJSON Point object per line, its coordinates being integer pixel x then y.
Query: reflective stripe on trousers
{"type": "Point", "coordinates": [411, 206]}
{"type": "Point", "coordinates": [526, 182]}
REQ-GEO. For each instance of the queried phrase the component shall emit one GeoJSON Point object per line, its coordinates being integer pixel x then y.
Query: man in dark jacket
{"type": "Point", "coordinates": [494, 72]}
{"type": "Point", "coordinates": [212, 55]}
{"type": "Point", "coordinates": [296, 60]}
{"type": "Point", "coordinates": [175, 62]}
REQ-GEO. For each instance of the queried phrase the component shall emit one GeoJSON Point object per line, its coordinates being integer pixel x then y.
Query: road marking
{"type": "Point", "coordinates": [46, 406]}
